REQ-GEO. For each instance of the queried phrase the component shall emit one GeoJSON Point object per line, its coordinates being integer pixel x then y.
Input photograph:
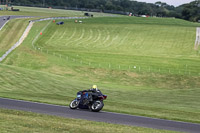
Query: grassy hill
{"type": "Point", "coordinates": [138, 44]}
{"type": "Point", "coordinates": [150, 96]}
{"type": "Point", "coordinates": [126, 42]}
{"type": "Point", "coordinates": [45, 12]}
{"type": "Point", "coordinates": [11, 33]}
{"type": "Point", "coordinates": [146, 66]}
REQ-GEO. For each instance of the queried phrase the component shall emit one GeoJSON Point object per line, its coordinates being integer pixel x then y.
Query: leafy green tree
{"type": "Point", "coordinates": [191, 11]}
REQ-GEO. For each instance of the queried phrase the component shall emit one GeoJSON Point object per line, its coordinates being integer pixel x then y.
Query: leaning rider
{"type": "Point", "coordinates": [94, 92]}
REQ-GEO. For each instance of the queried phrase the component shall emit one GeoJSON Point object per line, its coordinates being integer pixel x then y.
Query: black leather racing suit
{"type": "Point", "coordinates": [92, 94]}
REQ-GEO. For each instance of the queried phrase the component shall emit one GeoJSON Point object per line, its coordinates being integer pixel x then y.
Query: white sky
{"type": "Point", "coordinates": [169, 2]}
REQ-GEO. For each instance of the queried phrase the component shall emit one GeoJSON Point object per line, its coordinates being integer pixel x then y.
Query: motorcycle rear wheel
{"type": "Point", "coordinates": [97, 106]}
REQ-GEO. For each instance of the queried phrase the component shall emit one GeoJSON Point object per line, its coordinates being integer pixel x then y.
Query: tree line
{"type": "Point", "coordinates": [190, 11]}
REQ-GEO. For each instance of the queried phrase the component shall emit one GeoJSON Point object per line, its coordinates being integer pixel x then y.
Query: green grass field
{"type": "Point", "coordinates": [11, 33]}
{"type": "Point", "coordinates": [126, 42]}
{"type": "Point", "coordinates": [45, 12]}
{"type": "Point", "coordinates": [138, 97]}
{"type": "Point", "coordinates": [164, 83]}
{"type": "Point", "coordinates": [32, 122]}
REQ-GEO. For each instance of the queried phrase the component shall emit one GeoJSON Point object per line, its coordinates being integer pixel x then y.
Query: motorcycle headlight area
{"type": "Point", "coordinates": [78, 96]}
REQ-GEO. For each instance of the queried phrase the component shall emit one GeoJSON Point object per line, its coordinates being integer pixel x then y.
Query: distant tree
{"type": "Point", "coordinates": [163, 4]}
{"type": "Point", "coordinates": [191, 11]}
{"type": "Point", "coordinates": [158, 3]}
{"type": "Point", "coordinates": [109, 5]}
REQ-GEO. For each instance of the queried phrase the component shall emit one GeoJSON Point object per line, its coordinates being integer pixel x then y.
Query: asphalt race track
{"type": "Point", "coordinates": [108, 117]}
{"type": "Point", "coordinates": [2, 21]}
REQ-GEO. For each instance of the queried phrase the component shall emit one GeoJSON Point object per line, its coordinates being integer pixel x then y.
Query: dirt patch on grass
{"type": "Point", "coordinates": [28, 50]}
{"type": "Point", "coordinates": [132, 74]}
{"type": "Point", "coordinates": [94, 71]}
{"type": "Point", "coordinates": [59, 70]}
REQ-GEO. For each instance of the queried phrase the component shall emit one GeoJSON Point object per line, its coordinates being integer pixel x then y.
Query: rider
{"type": "Point", "coordinates": [92, 93]}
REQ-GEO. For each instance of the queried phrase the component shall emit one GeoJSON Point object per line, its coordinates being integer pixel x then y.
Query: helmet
{"type": "Point", "coordinates": [95, 87]}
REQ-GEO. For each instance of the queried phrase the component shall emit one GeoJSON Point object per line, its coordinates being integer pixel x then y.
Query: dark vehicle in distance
{"type": "Point", "coordinates": [6, 18]}
{"type": "Point", "coordinates": [88, 14]}
{"type": "Point", "coordinates": [60, 23]}
{"type": "Point", "coordinates": [12, 9]}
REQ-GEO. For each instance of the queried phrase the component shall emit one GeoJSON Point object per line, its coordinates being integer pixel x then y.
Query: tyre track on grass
{"type": "Point", "coordinates": [96, 45]}
{"type": "Point", "coordinates": [74, 33]}
{"type": "Point", "coordinates": [108, 117]}
{"type": "Point", "coordinates": [86, 40]}
{"type": "Point", "coordinates": [107, 38]}
{"type": "Point", "coordinates": [92, 40]}
{"type": "Point", "coordinates": [77, 38]}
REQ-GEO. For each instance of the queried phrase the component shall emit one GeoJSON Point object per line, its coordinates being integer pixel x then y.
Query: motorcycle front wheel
{"type": "Point", "coordinates": [97, 106]}
{"type": "Point", "coordinates": [74, 104]}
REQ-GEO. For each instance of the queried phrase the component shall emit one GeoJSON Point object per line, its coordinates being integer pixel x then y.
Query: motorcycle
{"type": "Point", "coordinates": [82, 101]}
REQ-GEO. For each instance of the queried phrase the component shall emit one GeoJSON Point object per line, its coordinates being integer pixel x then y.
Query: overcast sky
{"type": "Point", "coordinates": [169, 2]}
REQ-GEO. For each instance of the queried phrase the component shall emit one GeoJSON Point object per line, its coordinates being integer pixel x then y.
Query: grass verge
{"type": "Point", "coordinates": [19, 121]}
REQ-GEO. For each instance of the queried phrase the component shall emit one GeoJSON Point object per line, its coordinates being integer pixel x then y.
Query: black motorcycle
{"type": "Point", "coordinates": [85, 100]}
